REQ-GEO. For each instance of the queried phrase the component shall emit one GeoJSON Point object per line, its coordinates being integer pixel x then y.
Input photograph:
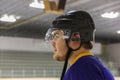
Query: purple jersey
{"type": "Point", "coordinates": [88, 68]}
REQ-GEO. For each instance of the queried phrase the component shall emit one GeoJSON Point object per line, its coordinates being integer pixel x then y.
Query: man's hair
{"type": "Point", "coordinates": [87, 45]}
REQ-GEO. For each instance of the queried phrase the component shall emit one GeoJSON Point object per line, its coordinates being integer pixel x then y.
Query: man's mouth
{"type": "Point", "coordinates": [55, 49]}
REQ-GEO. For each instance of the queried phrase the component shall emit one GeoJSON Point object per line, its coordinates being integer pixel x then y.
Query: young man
{"type": "Point", "coordinates": [71, 36]}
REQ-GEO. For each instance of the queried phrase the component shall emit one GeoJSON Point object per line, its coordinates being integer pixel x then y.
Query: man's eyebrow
{"type": "Point", "coordinates": [55, 32]}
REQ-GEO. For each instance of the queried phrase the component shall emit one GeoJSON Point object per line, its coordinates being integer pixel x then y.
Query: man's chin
{"type": "Point", "coordinates": [58, 58]}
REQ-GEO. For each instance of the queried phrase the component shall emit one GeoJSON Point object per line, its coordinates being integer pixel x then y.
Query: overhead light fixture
{"type": "Point", "coordinates": [37, 4]}
{"type": "Point", "coordinates": [10, 18]}
{"type": "Point", "coordinates": [118, 31]}
{"type": "Point", "coordinates": [110, 15]}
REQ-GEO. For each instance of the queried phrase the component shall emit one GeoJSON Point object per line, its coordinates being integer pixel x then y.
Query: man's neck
{"type": "Point", "coordinates": [74, 54]}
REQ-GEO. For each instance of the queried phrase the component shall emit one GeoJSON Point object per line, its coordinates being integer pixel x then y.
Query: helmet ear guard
{"type": "Point", "coordinates": [75, 37]}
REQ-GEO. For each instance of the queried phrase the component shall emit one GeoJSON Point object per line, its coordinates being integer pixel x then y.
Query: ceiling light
{"type": "Point", "coordinates": [18, 17]}
{"type": "Point", "coordinates": [118, 31]}
{"type": "Point", "coordinates": [110, 15]}
{"type": "Point", "coordinates": [37, 4]}
{"type": "Point", "coordinates": [7, 18]}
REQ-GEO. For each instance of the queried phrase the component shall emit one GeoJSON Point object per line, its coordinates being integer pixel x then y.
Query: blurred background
{"type": "Point", "coordinates": [23, 24]}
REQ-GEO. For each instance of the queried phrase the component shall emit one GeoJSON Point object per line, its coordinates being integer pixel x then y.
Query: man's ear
{"type": "Point", "coordinates": [75, 37]}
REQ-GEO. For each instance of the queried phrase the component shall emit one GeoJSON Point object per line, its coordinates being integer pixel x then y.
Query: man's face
{"type": "Point", "coordinates": [59, 45]}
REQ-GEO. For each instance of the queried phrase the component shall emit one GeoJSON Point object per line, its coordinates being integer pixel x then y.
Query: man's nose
{"type": "Point", "coordinates": [53, 42]}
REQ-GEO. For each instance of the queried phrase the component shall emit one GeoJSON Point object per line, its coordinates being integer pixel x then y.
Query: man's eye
{"type": "Point", "coordinates": [56, 36]}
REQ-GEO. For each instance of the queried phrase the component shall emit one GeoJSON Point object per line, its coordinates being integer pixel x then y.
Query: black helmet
{"type": "Point", "coordinates": [76, 21]}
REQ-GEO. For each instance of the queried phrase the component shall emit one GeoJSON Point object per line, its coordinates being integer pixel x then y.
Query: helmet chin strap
{"type": "Point", "coordinates": [67, 57]}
